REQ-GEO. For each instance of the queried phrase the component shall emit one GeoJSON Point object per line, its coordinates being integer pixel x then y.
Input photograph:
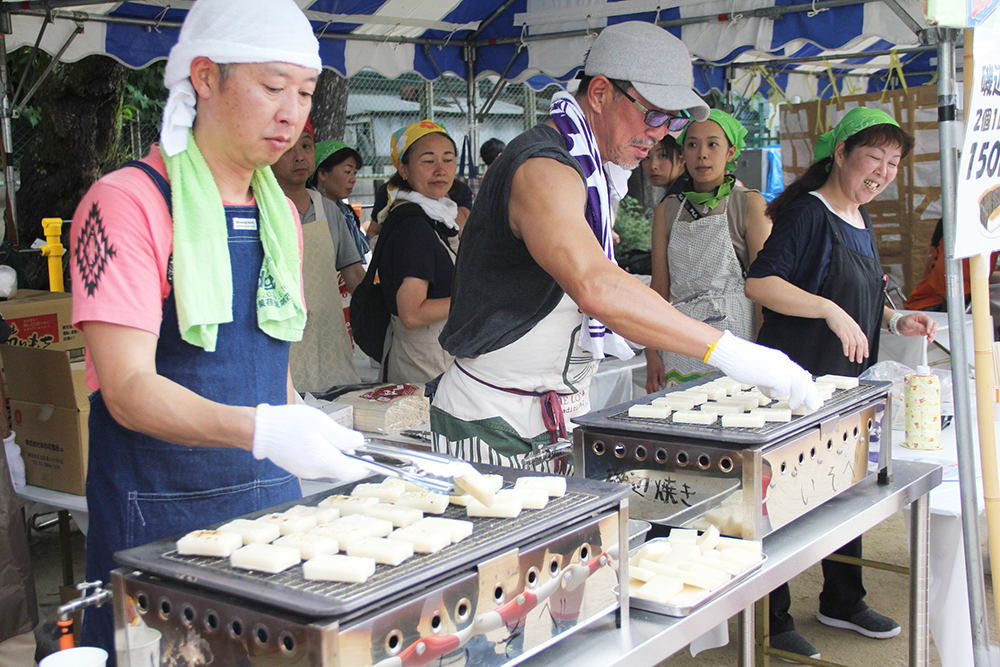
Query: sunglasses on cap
{"type": "Point", "coordinates": [655, 118]}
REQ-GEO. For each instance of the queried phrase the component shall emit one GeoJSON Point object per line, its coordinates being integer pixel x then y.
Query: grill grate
{"type": "Point", "coordinates": [486, 531]}
{"type": "Point", "coordinates": [842, 401]}
{"type": "Point", "coordinates": [288, 590]}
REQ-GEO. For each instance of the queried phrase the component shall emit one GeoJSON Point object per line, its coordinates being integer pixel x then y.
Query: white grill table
{"type": "Point", "coordinates": [651, 638]}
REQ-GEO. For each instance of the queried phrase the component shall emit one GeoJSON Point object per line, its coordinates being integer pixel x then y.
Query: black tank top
{"type": "Point", "coordinates": [500, 292]}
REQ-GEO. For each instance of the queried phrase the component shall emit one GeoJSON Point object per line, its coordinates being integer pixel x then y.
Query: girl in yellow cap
{"type": "Point", "coordinates": [416, 251]}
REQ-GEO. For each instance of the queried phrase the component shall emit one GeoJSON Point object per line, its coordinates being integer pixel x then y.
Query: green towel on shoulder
{"type": "Point", "coordinates": [203, 280]}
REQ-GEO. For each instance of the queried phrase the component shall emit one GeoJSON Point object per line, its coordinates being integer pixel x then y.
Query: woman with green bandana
{"type": "Point", "coordinates": [822, 287]}
{"type": "Point", "coordinates": [703, 240]}
{"type": "Point", "coordinates": [337, 166]}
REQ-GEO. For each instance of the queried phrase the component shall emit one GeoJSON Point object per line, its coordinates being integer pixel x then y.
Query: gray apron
{"type": "Point", "coordinates": [706, 283]}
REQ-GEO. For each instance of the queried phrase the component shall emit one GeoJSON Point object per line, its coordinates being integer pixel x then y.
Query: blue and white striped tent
{"type": "Point", "coordinates": [528, 40]}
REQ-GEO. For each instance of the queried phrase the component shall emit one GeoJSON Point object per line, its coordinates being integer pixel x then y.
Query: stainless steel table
{"type": "Point", "coordinates": [652, 638]}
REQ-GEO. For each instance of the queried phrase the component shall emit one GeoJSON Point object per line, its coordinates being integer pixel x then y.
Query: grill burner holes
{"type": "Point", "coordinates": [394, 642]}
{"type": "Point", "coordinates": [261, 635]}
{"type": "Point", "coordinates": [640, 453]}
{"type": "Point", "coordinates": [287, 643]}
{"type": "Point", "coordinates": [725, 464]}
{"type": "Point", "coordinates": [462, 610]}
{"type": "Point", "coordinates": [599, 448]}
{"type": "Point", "coordinates": [212, 621]}
{"type": "Point", "coordinates": [704, 461]}
{"type": "Point", "coordinates": [660, 456]}
{"type": "Point", "coordinates": [236, 628]}
{"type": "Point", "coordinates": [682, 458]}
{"type": "Point", "coordinates": [619, 450]}
{"type": "Point", "coordinates": [188, 613]}
{"type": "Point", "coordinates": [165, 609]}
{"type": "Point", "coordinates": [143, 602]}
{"type": "Point", "coordinates": [436, 622]}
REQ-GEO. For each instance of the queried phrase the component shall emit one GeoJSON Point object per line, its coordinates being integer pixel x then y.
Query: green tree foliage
{"type": "Point", "coordinates": [633, 225]}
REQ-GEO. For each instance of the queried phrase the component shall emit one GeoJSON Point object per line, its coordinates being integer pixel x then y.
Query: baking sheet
{"type": "Point", "coordinates": [616, 417]}
{"type": "Point", "coordinates": [684, 610]}
{"type": "Point", "coordinates": [289, 590]}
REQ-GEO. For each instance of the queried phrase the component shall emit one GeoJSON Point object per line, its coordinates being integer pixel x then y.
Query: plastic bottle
{"type": "Point", "coordinates": [922, 395]}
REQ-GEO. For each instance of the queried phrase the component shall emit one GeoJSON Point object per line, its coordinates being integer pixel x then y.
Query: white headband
{"type": "Point", "coordinates": [231, 31]}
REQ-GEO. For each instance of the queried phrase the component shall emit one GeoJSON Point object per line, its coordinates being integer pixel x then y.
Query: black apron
{"type": "Point", "coordinates": [856, 283]}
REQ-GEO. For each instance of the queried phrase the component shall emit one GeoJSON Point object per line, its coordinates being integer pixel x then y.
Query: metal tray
{"type": "Point", "coordinates": [290, 591]}
{"type": "Point", "coordinates": [616, 417]}
{"type": "Point", "coordinates": [684, 610]}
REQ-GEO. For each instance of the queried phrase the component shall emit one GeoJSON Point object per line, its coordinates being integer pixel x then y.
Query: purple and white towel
{"type": "Point", "coordinates": [582, 145]}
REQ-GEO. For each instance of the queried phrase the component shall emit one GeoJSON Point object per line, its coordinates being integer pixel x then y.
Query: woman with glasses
{"type": "Point", "coordinates": [703, 240]}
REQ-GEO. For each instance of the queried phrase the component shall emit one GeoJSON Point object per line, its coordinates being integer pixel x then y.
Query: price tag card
{"type": "Point", "coordinates": [978, 205]}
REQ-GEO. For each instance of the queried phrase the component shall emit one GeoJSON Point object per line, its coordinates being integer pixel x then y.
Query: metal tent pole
{"type": "Point", "coordinates": [947, 132]}
{"type": "Point", "coordinates": [7, 139]}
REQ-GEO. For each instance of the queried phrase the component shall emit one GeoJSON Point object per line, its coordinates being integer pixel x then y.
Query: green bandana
{"type": "Point", "coordinates": [203, 279]}
{"type": "Point", "coordinates": [857, 119]}
{"type": "Point", "coordinates": [735, 133]}
{"type": "Point", "coordinates": [325, 149]}
{"type": "Point", "coordinates": [712, 198]}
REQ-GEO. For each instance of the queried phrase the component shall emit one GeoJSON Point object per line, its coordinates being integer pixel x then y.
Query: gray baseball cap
{"type": "Point", "coordinates": [656, 63]}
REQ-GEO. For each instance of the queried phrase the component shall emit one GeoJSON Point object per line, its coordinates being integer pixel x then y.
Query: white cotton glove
{"type": "Point", "coordinates": [14, 462]}
{"type": "Point", "coordinates": [306, 442]}
{"type": "Point", "coordinates": [772, 371]}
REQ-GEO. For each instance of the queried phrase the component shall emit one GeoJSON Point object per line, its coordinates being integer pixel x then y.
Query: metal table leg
{"type": "Point", "coordinates": [920, 527]}
{"type": "Point", "coordinates": [66, 548]}
{"type": "Point", "coordinates": [747, 638]}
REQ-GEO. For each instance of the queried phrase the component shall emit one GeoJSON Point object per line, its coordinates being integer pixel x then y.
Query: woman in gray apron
{"type": "Point", "coordinates": [703, 240]}
{"type": "Point", "coordinates": [415, 268]}
{"type": "Point", "coordinates": [821, 285]}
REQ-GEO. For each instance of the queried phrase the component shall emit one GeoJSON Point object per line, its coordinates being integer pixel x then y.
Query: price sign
{"type": "Point", "coordinates": [978, 206]}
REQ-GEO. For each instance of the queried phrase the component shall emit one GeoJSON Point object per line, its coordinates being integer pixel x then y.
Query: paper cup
{"type": "Point", "coordinates": [143, 646]}
{"type": "Point", "coordinates": [83, 656]}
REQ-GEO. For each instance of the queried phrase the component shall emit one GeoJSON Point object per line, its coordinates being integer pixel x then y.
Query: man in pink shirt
{"type": "Point", "coordinates": [187, 285]}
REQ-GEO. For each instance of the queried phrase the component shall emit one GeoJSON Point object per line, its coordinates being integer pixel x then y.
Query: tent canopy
{"type": "Point", "coordinates": [537, 41]}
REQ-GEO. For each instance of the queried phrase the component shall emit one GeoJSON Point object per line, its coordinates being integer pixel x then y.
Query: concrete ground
{"type": "Point", "coordinates": [887, 592]}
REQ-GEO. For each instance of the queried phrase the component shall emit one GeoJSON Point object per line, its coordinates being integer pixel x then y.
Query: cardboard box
{"type": "Point", "coordinates": [43, 319]}
{"type": "Point", "coordinates": [49, 408]}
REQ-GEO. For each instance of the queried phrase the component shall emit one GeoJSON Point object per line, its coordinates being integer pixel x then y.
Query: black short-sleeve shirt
{"type": "Point", "coordinates": [801, 244]}
{"type": "Point", "coordinates": [413, 250]}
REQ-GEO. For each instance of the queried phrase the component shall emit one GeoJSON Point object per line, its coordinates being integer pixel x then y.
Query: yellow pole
{"type": "Point", "coordinates": [53, 249]}
{"type": "Point", "coordinates": [979, 277]}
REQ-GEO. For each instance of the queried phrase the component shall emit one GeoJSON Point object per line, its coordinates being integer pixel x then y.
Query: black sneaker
{"type": "Point", "coordinates": [792, 642]}
{"type": "Point", "coordinates": [867, 622]}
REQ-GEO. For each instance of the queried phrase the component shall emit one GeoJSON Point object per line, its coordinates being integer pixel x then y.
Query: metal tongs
{"type": "Point", "coordinates": [430, 471]}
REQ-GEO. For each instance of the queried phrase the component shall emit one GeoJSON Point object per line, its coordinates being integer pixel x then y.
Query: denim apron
{"type": "Point", "coordinates": [140, 489]}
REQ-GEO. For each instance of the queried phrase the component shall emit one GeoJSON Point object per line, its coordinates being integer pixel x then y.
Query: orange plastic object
{"type": "Point", "coordinates": [65, 634]}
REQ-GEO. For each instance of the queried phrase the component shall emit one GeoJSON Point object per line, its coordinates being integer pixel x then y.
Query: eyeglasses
{"type": "Point", "coordinates": [655, 118]}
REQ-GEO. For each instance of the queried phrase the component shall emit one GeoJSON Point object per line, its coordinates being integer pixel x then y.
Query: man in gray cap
{"type": "Point", "coordinates": [536, 281]}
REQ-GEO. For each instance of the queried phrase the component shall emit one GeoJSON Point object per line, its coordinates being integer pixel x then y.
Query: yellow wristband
{"type": "Point", "coordinates": [711, 348]}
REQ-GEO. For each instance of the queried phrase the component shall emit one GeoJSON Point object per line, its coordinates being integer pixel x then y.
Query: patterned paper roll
{"type": "Point", "coordinates": [922, 394]}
